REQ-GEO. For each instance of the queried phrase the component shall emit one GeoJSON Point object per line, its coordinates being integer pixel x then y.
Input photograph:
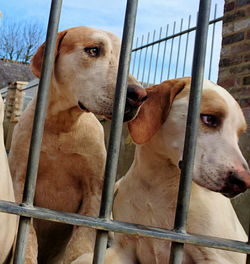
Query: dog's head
{"type": "Point", "coordinates": [219, 164]}
{"type": "Point", "coordinates": [85, 69]}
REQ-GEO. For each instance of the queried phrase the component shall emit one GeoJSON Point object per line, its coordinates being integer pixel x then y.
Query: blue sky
{"type": "Point", "coordinates": [109, 14]}
{"type": "Point", "coordinates": [106, 14]}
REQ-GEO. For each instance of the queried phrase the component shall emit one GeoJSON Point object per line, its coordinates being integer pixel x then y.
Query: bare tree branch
{"type": "Point", "coordinates": [19, 40]}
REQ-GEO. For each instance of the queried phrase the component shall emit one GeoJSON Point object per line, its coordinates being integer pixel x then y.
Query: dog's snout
{"type": "Point", "coordinates": [136, 95]}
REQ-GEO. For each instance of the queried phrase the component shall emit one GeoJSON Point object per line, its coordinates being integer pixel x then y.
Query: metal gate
{"type": "Point", "coordinates": [103, 223]}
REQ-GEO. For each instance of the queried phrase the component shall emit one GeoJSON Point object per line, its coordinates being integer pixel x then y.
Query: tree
{"type": "Point", "coordinates": [19, 40]}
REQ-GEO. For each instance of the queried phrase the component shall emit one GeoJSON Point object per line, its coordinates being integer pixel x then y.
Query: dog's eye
{"type": "Point", "coordinates": [92, 51]}
{"type": "Point", "coordinates": [210, 120]}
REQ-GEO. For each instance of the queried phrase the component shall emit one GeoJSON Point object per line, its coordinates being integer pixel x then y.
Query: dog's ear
{"type": "Point", "coordinates": [37, 59]}
{"type": "Point", "coordinates": [154, 111]}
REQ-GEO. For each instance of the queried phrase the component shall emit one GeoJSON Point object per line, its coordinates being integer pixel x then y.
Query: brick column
{"type": "Point", "coordinates": [234, 71]}
{"type": "Point", "coordinates": [234, 75]}
{"type": "Point", "coordinates": [13, 110]}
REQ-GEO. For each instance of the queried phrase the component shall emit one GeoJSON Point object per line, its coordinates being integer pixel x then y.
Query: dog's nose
{"type": "Point", "coordinates": [236, 183]}
{"type": "Point", "coordinates": [136, 95]}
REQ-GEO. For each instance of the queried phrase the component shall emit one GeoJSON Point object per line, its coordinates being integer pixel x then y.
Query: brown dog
{"type": "Point", "coordinates": [73, 152]}
{"type": "Point", "coordinates": [147, 194]}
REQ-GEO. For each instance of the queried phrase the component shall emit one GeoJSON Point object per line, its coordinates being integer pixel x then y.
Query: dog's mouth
{"type": "Point", "coordinates": [131, 111]}
{"type": "Point", "coordinates": [231, 193]}
{"type": "Point", "coordinates": [82, 107]}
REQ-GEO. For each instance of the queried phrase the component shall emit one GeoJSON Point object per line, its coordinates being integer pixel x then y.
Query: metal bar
{"type": "Point", "coordinates": [122, 227]}
{"type": "Point", "coordinates": [186, 48]}
{"type": "Point", "coordinates": [145, 59]}
{"type": "Point", "coordinates": [134, 59]}
{"type": "Point", "coordinates": [164, 54]}
{"type": "Point", "coordinates": [192, 128]}
{"type": "Point", "coordinates": [139, 63]}
{"type": "Point", "coordinates": [212, 45]}
{"type": "Point", "coordinates": [38, 126]}
{"type": "Point", "coordinates": [248, 256]}
{"type": "Point", "coordinates": [157, 56]}
{"type": "Point", "coordinates": [116, 128]}
{"type": "Point", "coordinates": [150, 61]}
{"type": "Point", "coordinates": [178, 51]}
{"type": "Point", "coordinates": [176, 35]}
{"type": "Point", "coordinates": [171, 51]}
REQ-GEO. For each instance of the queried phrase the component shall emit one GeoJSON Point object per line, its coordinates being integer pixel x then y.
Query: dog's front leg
{"type": "Point", "coordinates": [32, 247]}
{"type": "Point", "coordinates": [83, 239]}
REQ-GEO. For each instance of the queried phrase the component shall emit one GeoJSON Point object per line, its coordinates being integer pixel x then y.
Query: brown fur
{"type": "Point", "coordinates": [73, 153]}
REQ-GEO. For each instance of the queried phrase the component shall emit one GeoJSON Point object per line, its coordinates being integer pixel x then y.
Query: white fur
{"type": "Point", "coordinates": [147, 194]}
{"type": "Point", "coordinates": [7, 221]}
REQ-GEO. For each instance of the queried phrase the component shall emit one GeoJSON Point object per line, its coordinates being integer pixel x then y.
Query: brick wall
{"type": "Point", "coordinates": [234, 70]}
{"type": "Point", "coordinates": [234, 75]}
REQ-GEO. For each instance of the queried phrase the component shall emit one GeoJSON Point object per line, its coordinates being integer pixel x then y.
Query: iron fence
{"type": "Point", "coordinates": [103, 223]}
{"type": "Point", "coordinates": [168, 53]}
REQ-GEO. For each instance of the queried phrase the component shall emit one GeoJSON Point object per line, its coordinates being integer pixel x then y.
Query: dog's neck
{"type": "Point", "coordinates": [148, 161]}
{"type": "Point", "coordinates": [152, 181]}
{"type": "Point", "coordinates": [59, 99]}
{"type": "Point", "coordinates": [62, 113]}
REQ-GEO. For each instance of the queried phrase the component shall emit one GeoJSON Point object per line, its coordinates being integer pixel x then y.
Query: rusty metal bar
{"type": "Point", "coordinates": [192, 128]}
{"type": "Point", "coordinates": [37, 132]}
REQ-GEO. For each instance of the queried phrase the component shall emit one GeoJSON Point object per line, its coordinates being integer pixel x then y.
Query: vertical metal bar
{"type": "Point", "coordinates": [212, 44]}
{"type": "Point", "coordinates": [134, 60]}
{"type": "Point", "coordinates": [248, 255]}
{"type": "Point", "coordinates": [157, 56]}
{"type": "Point", "coordinates": [186, 48]}
{"type": "Point", "coordinates": [192, 128]}
{"type": "Point", "coordinates": [164, 54]}
{"type": "Point", "coordinates": [38, 126]}
{"type": "Point", "coordinates": [145, 59]}
{"type": "Point", "coordinates": [171, 51]}
{"type": "Point", "coordinates": [116, 128]}
{"type": "Point", "coordinates": [178, 51]}
{"type": "Point", "coordinates": [139, 63]}
{"type": "Point", "coordinates": [150, 61]}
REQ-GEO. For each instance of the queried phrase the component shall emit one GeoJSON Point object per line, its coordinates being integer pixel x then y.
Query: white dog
{"type": "Point", "coordinates": [7, 221]}
{"type": "Point", "coordinates": [73, 154]}
{"type": "Point", "coordinates": [147, 194]}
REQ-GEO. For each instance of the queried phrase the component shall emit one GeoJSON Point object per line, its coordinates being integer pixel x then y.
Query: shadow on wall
{"type": "Point", "coordinates": [126, 150]}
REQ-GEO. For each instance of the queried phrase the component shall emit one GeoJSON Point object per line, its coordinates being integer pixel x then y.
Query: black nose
{"type": "Point", "coordinates": [234, 185]}
{"type": "Point", "coordinates": [136, 95]}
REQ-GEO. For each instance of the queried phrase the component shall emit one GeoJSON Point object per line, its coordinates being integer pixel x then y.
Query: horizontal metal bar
{"type": "Point", "coordinates": [121, 227]}
{"type": "Point", "coordinates": [176, 35]}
